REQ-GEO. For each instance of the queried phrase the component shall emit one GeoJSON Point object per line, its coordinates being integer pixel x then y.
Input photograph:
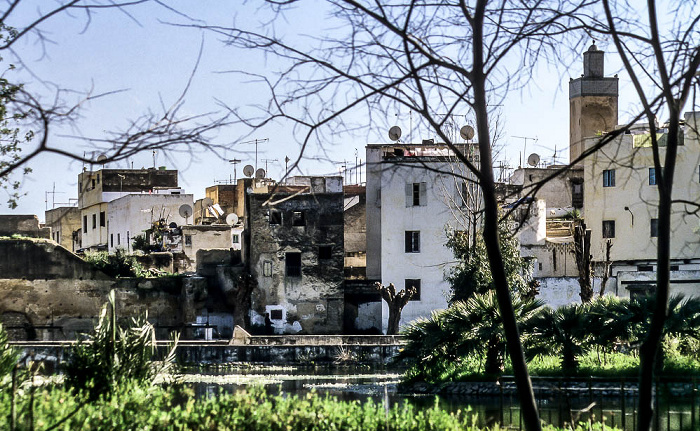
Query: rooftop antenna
{"type": "Point", "coordinates": [525, 138]}
{"type": "Point", "coordinates": [256, 142]}
{"type": "Point", "coordinates": [234, 162]}
{"type": "Point", "coordinates": [268, 160]}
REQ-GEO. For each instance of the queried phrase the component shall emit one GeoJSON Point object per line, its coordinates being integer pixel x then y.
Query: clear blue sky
{"type": "Point", "coordinates": [152, 61]}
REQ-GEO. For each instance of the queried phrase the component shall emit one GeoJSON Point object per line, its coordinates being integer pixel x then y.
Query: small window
{"type": "Point", "coordinates": [413, 282]}
{"type": "Point", "coordinates": [188, 240]}
{"type": "Point", "coordinates": [84, 224]}
{"type": "Point", "coordinates": [674, 268]}
{"type": "Point", "coordinates": [267, 268]}
{"type": "Point", "coordinates": [645, 268]}
{"type": "Point", "coordinates": [58, 236]}
{"type": "Point", "coordinates": [654, 228]}
{"type": "Point", "coordinates": [235, 238]}
{"type": "Point", "coordinates": [119, 239]}
{"type": "Point", "coordinates": [652, 176]}
{"type": "Point", "coordinates": [103, 219]}
{"type": "Point", "coordinates": [94, 221]}
{"type": "Point", "coordinates": [111, 240]}
{"type": "Point", "coordinates": [80, 187]}
{"type": "Point", "coordinates": [275, 217]}
{"type": "Point", "coordinates": [412, 240]}
{"type": "Point", "coordinates": [608, 228]}
{"type": "Point", "coordinates": [609, 178]}
{"type": "Point", "coordinates": [276, 314]}
{"type": "Point", "coordinates": [416, 194]}
{"type": "Point", "coordinates": [298, 218]}
{"type": "Point", "coordinates": [293, 264]}
{"type": "Point", "coordinates": [93, 183]}
{"type": "Point", "coordinates": [98, 178]}
{"type": "Point", "coordinates": [325, 252]}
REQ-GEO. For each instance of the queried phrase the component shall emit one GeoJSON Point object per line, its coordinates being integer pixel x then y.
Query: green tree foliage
{"type": "Point", "coordinates": [466, 329]}
{"type": "Point", "coordinates": [472, 273]}
{"type": "Point", "coordinates": [113, 355]}
{"type": "Point", "coordinates": [8, 358]}
{"type": "Point", "coordinates": [118, 264]}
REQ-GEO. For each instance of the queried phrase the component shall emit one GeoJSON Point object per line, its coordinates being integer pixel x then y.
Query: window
{"type": "Point", "coordinates": [119, 239]}
{"type": "Point", "coordinates": [292, 264]}
{"type": "Point", "coordinates": [275, 217]}
{"type": "Point", "coordinates": [102, 219]}
{"type": "Point", "coordinates": [298, 218]}
{"type": "Point", "coordinates": [652, 176]}
{"type": "Point", "coordinates": [94, 221]}
{"type": "Point", "coordinates": [645, 268]}
{"type": "Point", "coordinates": [413, 282]}
{"type": "Point", "coordinates": [608, 228]}
{"type": "Point", "coordinates": [276, 314]}
{"type": "Point", "coordinates": [416, 194]}
{"type": "Point", "coordinates": [188, 240]}
{"type": "Point", "coordinates": [235, 238]}
{"type": "Point", "coordinates": [609, 178]}
{"type": "Point", "coordinates": [111, 240]}
{"type": "Point", "coordinates": [98, 178]}
{"type": "Point", "coordinates": [412, 241]}
{"type": "Point", "coordinates": [84, 224]}
{"type": "Point", "coordinates": [325, 252]}
{"type": "Point", "coordinates": [654, 228]}
{"type": "Point", "coordinates": [58, 236]}
{"type": "Point", "coordinates": [267, 268]}
{"type": "Point", "coordinates": [93, 183]}
{"type": "Point", "coordinates": [577, 194]}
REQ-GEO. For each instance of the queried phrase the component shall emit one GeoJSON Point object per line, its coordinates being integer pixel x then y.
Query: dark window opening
{"type": "Point", "coordinates": [413, 282]}
{"type": "Point", "coordinates": [292, 264]}
{"type": "Point", "coordinates": [412, 240]}
{"type": "Point", "coordinates": [276, 314]}
{"type": "Point", "coordinates": [111, 240]}
{"type": "Point", "coordinates": [325, 252]}
{"type": "Point", "coordinates": [645, 268]}
{"type": "Point", "coordinates": [608, 228]}
{"type": "Point", "coordinates": [84, 224]}
{"type": "Point", "coordinates": [94, 221]}
{"type": "Point", "coordinates": [119, 239]}
{"type": "Point", "coordinates": [609, 178]}
{"type": "Point", "coordinates": [103, 221]}
{"type": "Point", "coordinates": [554, 259]}
{"type": "Point", "coordinates": [98, 178]}
{"type": "Point", "coordinates": [674, 268]}
{"type": "Point", "coordinates": [275, 217]}
{"type": "Point", "coordinates": [577, 195]}
{"type": "Point", "coordinates": [416, 194]}
{"type": "Point", "coordinates": [93, 183]}
{"type": "Point", "coordinates": [298, 218]}
{"type": "Point", "coordinates": [654, 228]}
{"type": "Point", "coordinates": [188, 240]}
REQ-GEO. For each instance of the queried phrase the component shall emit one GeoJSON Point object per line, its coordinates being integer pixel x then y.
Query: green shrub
{"type": "Point", "coordinates": [8, 358]}
{"type": "Point", "coordinates": [118, 264]}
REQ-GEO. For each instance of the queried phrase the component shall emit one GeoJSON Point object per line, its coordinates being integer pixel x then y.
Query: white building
{"type": "Point", "coordinates": [413, 199]}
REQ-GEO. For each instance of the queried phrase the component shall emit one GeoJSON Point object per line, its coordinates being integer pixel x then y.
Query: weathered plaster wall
{"type": "Point", "coordinates": [25, 225]}
{"type": "Point", "coordinates": [313, 302]}
{"type": "Point", "coordinates": [63, 221]}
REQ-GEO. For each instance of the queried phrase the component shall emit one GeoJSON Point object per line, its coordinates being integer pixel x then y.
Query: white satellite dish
{"type": "Point", "coordinates": [231, 219]}
{"type": "Point", "coordinates": [395, 133]}
{"type": "Point", "coordinates": [248, 170]}
{"type": "Point", "coordinates": [466, 132]}
{"type": "Point", "coordinates": [185, 211]}
{"type": "Point", "coordinates": [207, 202]}
{"type": "Point", "coordinates": [260, 173]}
{"type": "Point", "coordinates": [533, 159]}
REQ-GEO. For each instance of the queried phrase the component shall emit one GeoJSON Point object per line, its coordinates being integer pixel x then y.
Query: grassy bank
{"type": "Point", "coordinates": [176, 408]}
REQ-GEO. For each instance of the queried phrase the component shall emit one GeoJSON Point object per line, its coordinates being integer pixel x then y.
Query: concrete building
{"type": "Point", "coordinates": [413, 199]}
{"type": "Point", "coordinates": [23, 225]}
{"type": "Point", "coordinates": [65, 226]}
{"type": "Point", "coordinates": [621, 205]}
{"type": "Point", "coordinates": [134, 214]}
{"type": "Point", "coordinates": [592, 101]}
{"type": "Point", "coordinates": [293, 247]}
{"type": "Point", "coordinates": [97, 188]}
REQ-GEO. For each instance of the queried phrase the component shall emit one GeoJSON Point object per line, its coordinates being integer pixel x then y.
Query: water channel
{"type": "Point", "coordinates": [677, 413]}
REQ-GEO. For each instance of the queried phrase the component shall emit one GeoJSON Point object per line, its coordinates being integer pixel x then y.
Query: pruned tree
{"type": "Point", "coordinates": [431, 59]}
{"type": "Point", "coordinates": [396, 301]}
{"type": "Point", "coordinates": [606, 267]}
{"type": "Point", "coordinates": [582, 252]}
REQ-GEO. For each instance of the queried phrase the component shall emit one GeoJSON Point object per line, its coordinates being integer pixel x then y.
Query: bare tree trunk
{"type": "Point", "coordinates": [526, 395]}
{"type": "Point", "coordinates": [607, 265]}
{"type": "Point", "coordinates": [582, 251]}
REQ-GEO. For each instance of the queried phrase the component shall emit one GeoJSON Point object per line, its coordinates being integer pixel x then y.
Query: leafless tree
{"type": "Point", "coordinates": [661, 55]}
{"type": "Point", "coordinates": [396, 301]}
{"type": "Point", "coordinates": [30, 119]}
{"type": "Point", "coordinates": [433, 59]}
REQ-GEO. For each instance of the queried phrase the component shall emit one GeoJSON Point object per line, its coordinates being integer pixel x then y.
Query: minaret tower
{"type": "Point", "coordinates": [592, 101]}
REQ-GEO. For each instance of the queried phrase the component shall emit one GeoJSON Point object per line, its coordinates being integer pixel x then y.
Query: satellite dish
{"type": "Point", "coordinates": [260, 173]}
{"type": "Point", "coordinates": [248, 171]}
{"type": "Point", "coordinates": [207, 202]}
{"type": "Point", "coordinates": [231, 219]}
{"type": "Point", "coordinates": [533, 159]}
{"type": "Point", "coordinates": [395, 133]}
{"type": "Point", "coordinates": [466, 132]}
{"type": "Point", "coordinates": [185, 211]}
{"type": "Point", "coordinates": [101, 158]}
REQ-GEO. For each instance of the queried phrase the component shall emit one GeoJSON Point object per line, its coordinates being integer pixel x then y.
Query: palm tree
{"type": "Point", "coordinates": [560, 332]}
{"type": "Point", "coordinates": [466, 328]}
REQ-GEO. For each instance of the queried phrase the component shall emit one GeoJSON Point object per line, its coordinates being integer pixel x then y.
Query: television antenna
{"type": "Point", "coordinates": [256, 142]}
{"type": "Point", "coordinates": [234, 162]}
{"type": "Point", "coordinates": [268, 160]}
{"type": "Point", "coordinates": [525, 138]}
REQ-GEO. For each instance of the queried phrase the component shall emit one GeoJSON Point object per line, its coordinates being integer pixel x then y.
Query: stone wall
{"type": "Point", "coordinates": [24, 225]}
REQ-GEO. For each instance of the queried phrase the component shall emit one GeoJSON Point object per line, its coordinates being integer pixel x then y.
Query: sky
{"type": "Point", "coordinates": [147, 62]}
